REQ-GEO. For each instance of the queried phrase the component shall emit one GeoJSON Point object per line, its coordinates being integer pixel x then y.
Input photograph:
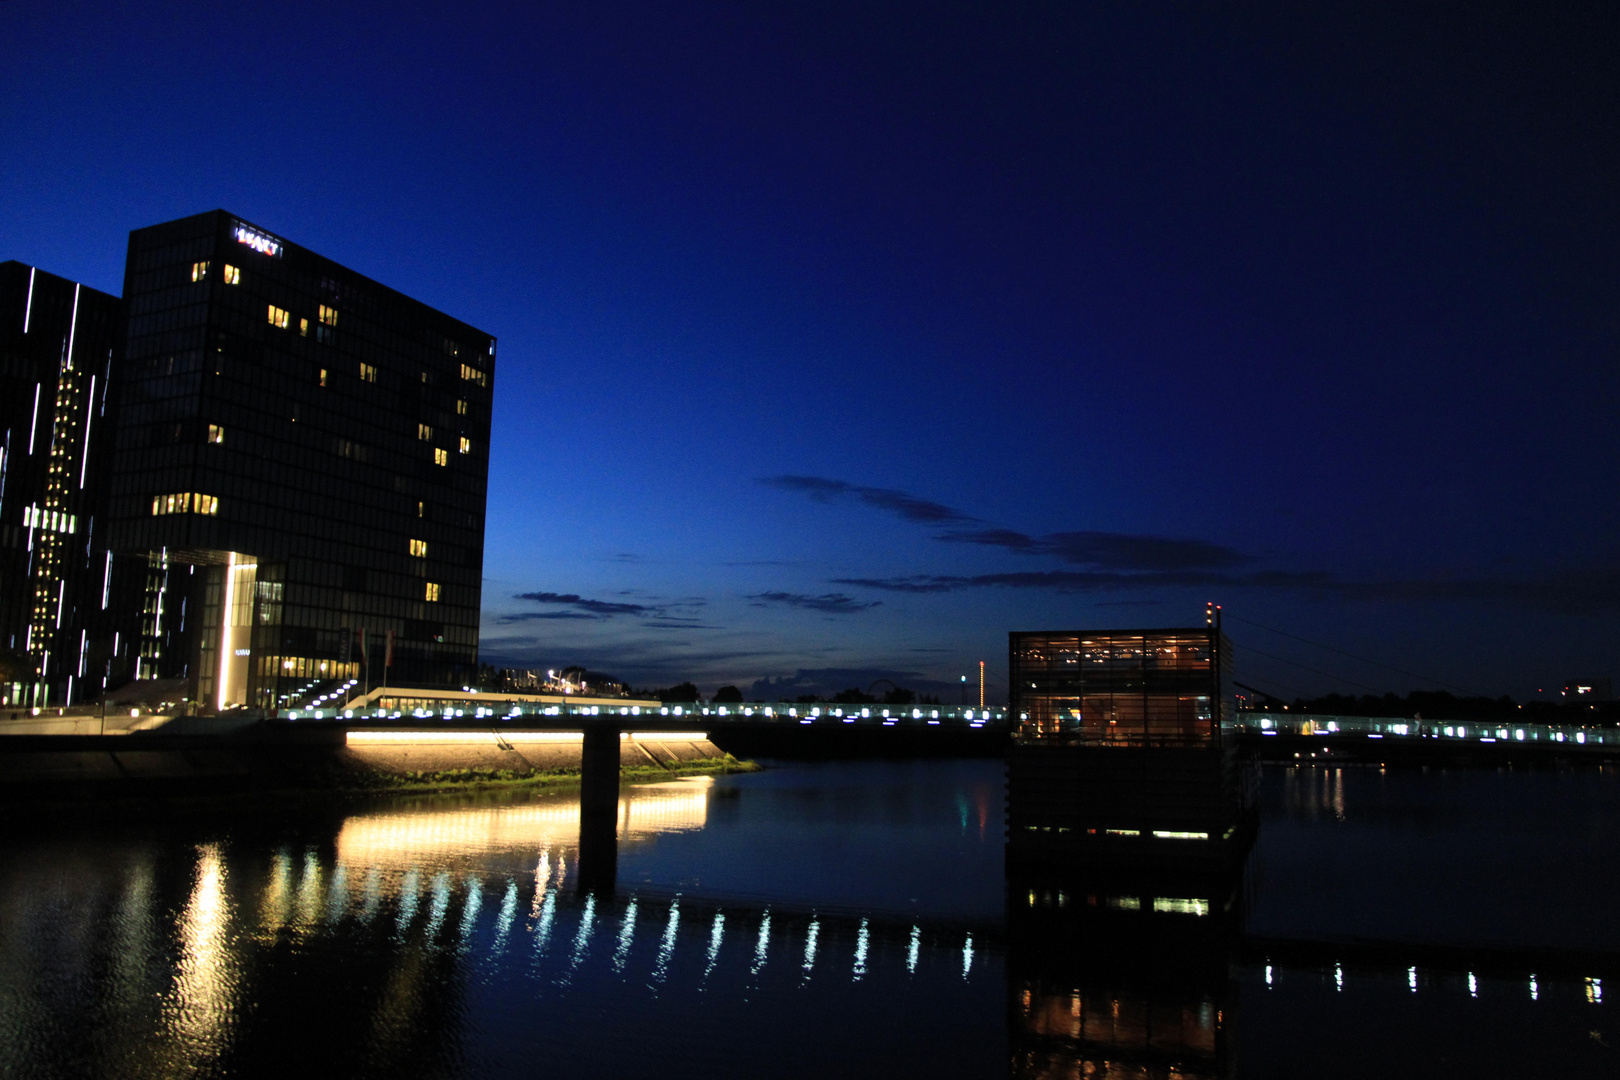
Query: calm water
{"type": "Point", "coordinates": [815, 919]}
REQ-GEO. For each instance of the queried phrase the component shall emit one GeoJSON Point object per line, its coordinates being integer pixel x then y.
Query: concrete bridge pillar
{"type": "Point", "coordinates": [599, 808]}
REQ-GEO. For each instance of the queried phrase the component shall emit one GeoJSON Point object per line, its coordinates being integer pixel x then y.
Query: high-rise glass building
{"type": "Point", "coordinates": [298, 486]}
{"type": "Point", "coordinates": [58, 343]}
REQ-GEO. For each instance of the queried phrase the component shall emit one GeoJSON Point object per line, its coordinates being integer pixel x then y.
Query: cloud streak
{"type": "Point", "coordinates": [1590, 593]}
{"type": "Point", "coordinates": [1102, 550]}
{"type": "Point", "coordinates": [1110, 551]}
{"type": "Point", "coordinates": [831, 603]}
{"type": "Point", "coordinates": [908, 507]}
{"type": "Point", "coordinates": [602, 609]}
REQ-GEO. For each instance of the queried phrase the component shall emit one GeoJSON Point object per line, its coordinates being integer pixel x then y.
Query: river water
{"type": "Point", "coordinates": [810, 920]}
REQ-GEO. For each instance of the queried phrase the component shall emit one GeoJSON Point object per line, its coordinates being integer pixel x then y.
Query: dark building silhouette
{"type": "Point", "coordinates": [58, 344]}
{"type": "Point", "coordinates": [1118, 751]}
{"type": "Point", "coordinates": [298, 485]}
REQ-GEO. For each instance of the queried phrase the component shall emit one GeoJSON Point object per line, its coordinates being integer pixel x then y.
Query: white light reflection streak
{"type": "Point", "coordinates": [967, 956]}
{"type": "Point", "coordinates": [860, 953]}
{"type": "Point", "coordinates": [582, 938]}
{"type": "Point", "coordinates": [309, 889]}
{"type": "Point", "coordinates": [913, 949]}
{"type": "Point", "coordinates": [273, 911]}
{"type": "Point", "coordinates": [1594, 991]}
{"type": "Point", "coordinates": [627, 931]}
{"type": "Point", "coordinates": [470, 908]}
{"type": "Point", "coordinates": [548, 918]}
{"type": "Point", "coordinates": [810, 946]}
{"type": "Point", "coordinates": [763, 945]}
{"type": "Point", "coordinates": [716, 932]}
{"type": "Point", "coordinates": [373, 895]}
{"type": "Point", "coordinates": [408, 887]}
{"type": "Point", "coordinates": [1338, 977]}
{"type": "Point", "coordinates": [503, 922]}
{"type": "Point", "coordinates": [439, 905]}
{"type": "Point", "coordinates": [1535, 990]}
{"type": "Point", "coordinates": [337, 895]}
{"type": "Point", "coordinates": [1268, 974]}
{"type": "Point", "coordinates": [542, 871]}
{"type": "Point", "coordinates": [1473, 985]}
{"type": "Point", "coordinates": [1411, 978]}
{"type": "Point", "coordinates": [200, 1008]}
{"type": "Point", "coordinates": [666, 946]}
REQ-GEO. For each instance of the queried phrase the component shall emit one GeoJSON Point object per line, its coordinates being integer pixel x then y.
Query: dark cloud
{"type": "Point", "coordinates": [603, 608]}
{"type": "Point", "coordinates": [1108, 551]}
{"type": "Point", "coordinates": [530, 616]}
{"type": "Point", "coordinates": [1589, 593]}
{"type": "Point", "coordinates": [835, 603]}
{"type": "Point", "coordinates": [828, 681]}
{"type": "Point", "coordinates": [1103, 550]}
{"type": "Point", "coordinates": [909, 507]}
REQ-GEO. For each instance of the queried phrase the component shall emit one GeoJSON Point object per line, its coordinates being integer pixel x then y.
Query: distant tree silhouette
{"type": "Point", "coordinates": [899, 695]}
{"type": "Point", "coordinates": [727, 695]}
{"type": "Point", "coordinates": [679, 693]}
{"type": "Point", "coordinates": [854, 696]}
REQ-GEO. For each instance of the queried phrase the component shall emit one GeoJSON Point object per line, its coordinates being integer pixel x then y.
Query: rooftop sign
{"type": "Point", "coordinates": [263, 243]}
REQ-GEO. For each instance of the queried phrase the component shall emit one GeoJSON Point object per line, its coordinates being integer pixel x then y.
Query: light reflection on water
{"type": "Point", "coordinates": [447, 938]}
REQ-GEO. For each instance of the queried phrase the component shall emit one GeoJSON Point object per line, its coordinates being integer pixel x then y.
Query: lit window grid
{"type": "Point", "coordinates": [185, 502]}
{"type": "Point", "coordinates": [279, 318]}
{"type": "Point", "coordinates": [431, 593]}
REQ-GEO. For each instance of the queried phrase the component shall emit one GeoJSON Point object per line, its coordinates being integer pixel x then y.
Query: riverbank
{"type": "Point", "coordinates": [280, 764]}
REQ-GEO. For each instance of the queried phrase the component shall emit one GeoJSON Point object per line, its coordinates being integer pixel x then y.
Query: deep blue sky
{"type": "Point", "coordinates": [839, 339]}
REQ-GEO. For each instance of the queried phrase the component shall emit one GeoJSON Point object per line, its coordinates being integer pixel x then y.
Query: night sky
{"type": "Point", "coordinates": [837, 340]}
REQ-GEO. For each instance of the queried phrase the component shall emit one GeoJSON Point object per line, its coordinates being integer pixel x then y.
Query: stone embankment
{"type": "Point", "coordinates": [278, 758]}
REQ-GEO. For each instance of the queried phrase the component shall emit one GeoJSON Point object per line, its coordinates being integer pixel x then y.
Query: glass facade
{"type": "Point", "coordinates": [277, 513]}
{"type": "Point", "coordinates": [1119, 687]}
{"type": "Point", "coordinates": [58, 341]}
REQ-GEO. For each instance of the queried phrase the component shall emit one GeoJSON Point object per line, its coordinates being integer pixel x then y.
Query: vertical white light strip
{"type": "Point", "coordinates": [225, 627]}
{"type": "Point", "coordinates": [61, 595]}
{"type": "Point", "coordinates": [34, 425]}
{"type": "Point", "coordinates": [28, 312]}
{"type": "Point", "coordinates": [89, 414]}
{"type": "Point", "coordinates": [73, 326]}
{"type": "Point", "coordinates": [106, 584]}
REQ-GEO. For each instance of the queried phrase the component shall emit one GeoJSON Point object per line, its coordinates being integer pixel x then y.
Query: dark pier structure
{"type": "Point", "coordinates": [1118, 755]}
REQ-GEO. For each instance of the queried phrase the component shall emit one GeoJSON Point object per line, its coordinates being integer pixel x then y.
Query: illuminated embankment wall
{"type": "Point", "coordinates": [516, 751]}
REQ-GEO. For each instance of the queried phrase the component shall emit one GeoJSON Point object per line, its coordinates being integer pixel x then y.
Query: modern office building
{"type": "Point", "coordinates": [1118, 746]}
{"type": "Point", "coordinates": [58, 343]}
{"type": "Point", "coordinates": [298, 487]}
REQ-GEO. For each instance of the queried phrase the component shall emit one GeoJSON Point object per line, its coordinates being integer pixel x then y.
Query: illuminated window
{"type": "Point", "coordinates": [421, 509]}
{"type": "Point", "coordinates": [185, 502]}
{"type": "Point", "coordinates": [323, 376]}
{"type": "Point", "coordinates": [368, 373]}
{"type": "Point", "coordinates": [233, 276]}
{"type": "Point", "coordinates": [303, 328]}
{"type": "Point", "coordinates": [466, 445]}
{"type": "Point", "coordinates": [461, 408]}
{"type": "Point", "coordinates": [279, 317]}
{"type": "Point", "coordinates": [328, 315]}
{"type": "Point", "coordinates": [199, 271]}
{"type": "Point", "coordinates": [432, 590]}
{"type": "Point", "coordinates": [419, 548]}
{"type": "Point", "coordinates": [216, 434]}
{"type": "Point", "coordinates": [441, 456]}
{"type": "Point", "coordinates": [424, 432]}
{"type": "Point", "coordinates": [472, 374]}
